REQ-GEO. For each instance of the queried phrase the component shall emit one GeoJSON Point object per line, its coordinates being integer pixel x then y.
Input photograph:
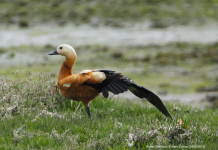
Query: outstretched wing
{"type": "Point", "coordinates": [114, 82]}
{"type": "Point", "coordinates": [118, 83]}
{"type": "Point", "coordinates": [142, 92]}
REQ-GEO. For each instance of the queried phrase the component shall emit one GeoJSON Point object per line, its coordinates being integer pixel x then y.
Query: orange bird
{"type": "Point", "coordinates": [86, 85]}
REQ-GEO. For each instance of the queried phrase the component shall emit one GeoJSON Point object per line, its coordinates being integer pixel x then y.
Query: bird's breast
{"type": "Point", "coordinates": [78, 92]}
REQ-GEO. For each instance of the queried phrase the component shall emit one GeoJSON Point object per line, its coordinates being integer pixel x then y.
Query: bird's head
{"type": "Point", "coordinates": [64, 50]}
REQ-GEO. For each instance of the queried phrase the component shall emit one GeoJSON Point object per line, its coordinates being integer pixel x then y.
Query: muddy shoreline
{"type": "Point", "coordinates": [88, 35]}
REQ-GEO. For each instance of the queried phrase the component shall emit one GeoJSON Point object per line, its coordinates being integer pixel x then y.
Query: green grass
{"type": "Point", "coordinates": [160, 13]}
{"type": "Point", "coordinates": [34, 116]}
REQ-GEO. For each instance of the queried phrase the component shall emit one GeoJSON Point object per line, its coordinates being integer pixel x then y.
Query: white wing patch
{"type": "Point", "coordinates": [66, 85]}
{"type": "Point", "coordinates": [99, 76]}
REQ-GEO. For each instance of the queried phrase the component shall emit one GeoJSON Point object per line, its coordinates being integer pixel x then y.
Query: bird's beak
{"type": "Point", "coordinates": [54, 53]}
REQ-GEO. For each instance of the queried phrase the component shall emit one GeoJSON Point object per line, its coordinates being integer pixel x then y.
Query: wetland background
{"type": "Point", "coordinates": [167, 46]}
{"type": "Point", "coordinates": [170, 47]}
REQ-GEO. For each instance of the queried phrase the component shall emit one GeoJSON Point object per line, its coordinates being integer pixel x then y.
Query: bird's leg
{"type": "Point", "coordinates": [88, 111]}
{"type": "Point", "coordinates": [86, 105]}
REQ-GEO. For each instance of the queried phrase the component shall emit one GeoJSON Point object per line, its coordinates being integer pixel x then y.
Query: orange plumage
{"type": "Point", "coordinates": [86, 85]}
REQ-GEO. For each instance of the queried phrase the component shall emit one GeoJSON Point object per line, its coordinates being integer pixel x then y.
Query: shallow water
{"type": "Point", "coordinates": [86, 35]}
{"type": "Point", "coordinates": [83, 35]}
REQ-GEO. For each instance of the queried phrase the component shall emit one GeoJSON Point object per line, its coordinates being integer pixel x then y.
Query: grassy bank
{"type": "Point", "coordinates": [161, 14]}
{"type": "Point", "coordinates": [35, 116]}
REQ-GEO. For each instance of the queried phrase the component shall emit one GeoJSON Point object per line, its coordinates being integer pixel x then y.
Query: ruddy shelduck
{"type": "Point", "coordinates": [86, 85]}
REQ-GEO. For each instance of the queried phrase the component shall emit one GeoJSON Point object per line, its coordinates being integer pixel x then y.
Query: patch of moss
{"type": "Point", "coordinates": [23, 23]}
{"type": "Point", "coordinates": [11, 55]}
{"type": "Point", "coordinates": [2, 50]}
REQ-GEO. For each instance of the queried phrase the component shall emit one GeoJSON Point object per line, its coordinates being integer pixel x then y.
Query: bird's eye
{"type": "Point", "coordinates": [61, 47]}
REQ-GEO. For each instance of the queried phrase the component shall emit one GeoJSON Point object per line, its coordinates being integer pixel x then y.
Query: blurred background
{"type": "Point", "coordinates": [170, 47]}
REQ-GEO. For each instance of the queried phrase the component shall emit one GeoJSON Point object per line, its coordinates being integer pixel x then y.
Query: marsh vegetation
{"type": "Point", "coordinates": [114, 13]}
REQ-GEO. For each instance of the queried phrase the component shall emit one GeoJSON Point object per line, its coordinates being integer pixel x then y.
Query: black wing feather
{"type": "Point", "coordinates": [115, 87]}
{"type": "Point", "coordinates": [142, 92]}
{"type": "Point", "coordinates": [104, 91]}
{"type": "Point", "coordinates": [109, 86]}
{"type": "Point", "coordinates": [126, 86]}
{"type": "Point", "coordinates": [119, 86]}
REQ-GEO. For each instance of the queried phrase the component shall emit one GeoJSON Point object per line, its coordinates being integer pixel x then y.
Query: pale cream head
{"type": "Point", "coordinates": [66, 50]}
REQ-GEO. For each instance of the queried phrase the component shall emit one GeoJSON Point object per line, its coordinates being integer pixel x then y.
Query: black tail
{"type": "Point", "coordinates": [118, 83]}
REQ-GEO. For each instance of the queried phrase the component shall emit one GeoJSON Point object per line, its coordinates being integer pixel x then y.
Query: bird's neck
{"type": "Point", "coordinates": [66, 68]}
